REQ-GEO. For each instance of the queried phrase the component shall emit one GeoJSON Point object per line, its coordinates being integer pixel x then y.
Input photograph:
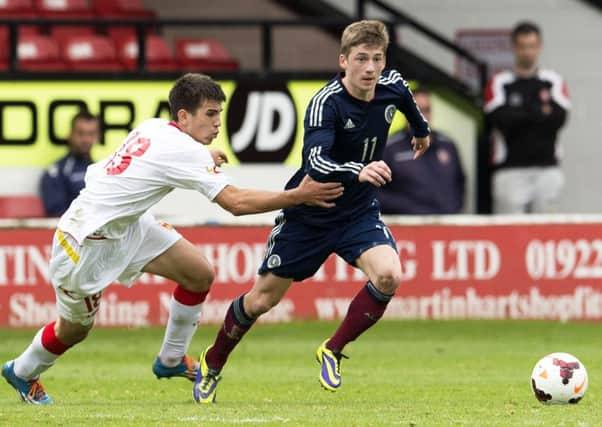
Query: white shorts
{"type": "Point", "coordinates": [80, 273]}
{"type": "Point", "coordinates": [527, 190]}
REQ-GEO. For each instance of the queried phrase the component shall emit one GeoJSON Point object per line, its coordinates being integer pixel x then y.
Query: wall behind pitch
{"type": "Point", "coordinates": [467, 269]}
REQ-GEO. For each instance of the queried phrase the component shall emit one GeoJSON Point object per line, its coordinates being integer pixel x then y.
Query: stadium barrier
{"type": "Point", "coordinates": [464, 267]}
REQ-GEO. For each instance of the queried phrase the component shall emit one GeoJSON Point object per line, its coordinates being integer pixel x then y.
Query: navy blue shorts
{"type": "Point", "coordinates": [297, 250]}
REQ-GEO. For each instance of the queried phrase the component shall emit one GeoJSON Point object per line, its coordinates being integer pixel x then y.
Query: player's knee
{"type": "Point", "coordinates": [199, 281]}
{"type": "Point", "coordinates": [204, 281]}
{"type": "Point", "coordinates": [262, 304]}
{"type": "Point", "coordinates": [387, 281]}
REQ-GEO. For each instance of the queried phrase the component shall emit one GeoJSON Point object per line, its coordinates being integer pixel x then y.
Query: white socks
{"type": "Point", "coordinates": [34, 360]}
{"type": "Point", "coordinates": [181, 325]}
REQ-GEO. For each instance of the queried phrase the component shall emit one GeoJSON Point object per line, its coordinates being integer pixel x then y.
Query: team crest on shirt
{"type": "Point", "coordinates": [274, 261]}
{"type": "Point", "coordinates": [443, 156]}
{"type": "Point", "coordinates": [515, 99]}
{"type": "Point", "coordinates": [390, 112]}
{"type": "Point", "coordinates": [545, 96]}
{"type": "Point", "coordinates": [166, 225]}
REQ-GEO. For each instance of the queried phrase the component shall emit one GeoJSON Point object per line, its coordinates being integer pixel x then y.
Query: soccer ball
{"type": "Point", "coordinates": [559, 378]}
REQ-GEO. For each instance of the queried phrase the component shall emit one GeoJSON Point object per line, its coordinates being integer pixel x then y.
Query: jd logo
{"type": "Point", "coordinates": [261, 122]}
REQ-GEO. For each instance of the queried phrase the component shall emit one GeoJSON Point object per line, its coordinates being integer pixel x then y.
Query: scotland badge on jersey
{"type": "Point", "coordinates": [390, 112]}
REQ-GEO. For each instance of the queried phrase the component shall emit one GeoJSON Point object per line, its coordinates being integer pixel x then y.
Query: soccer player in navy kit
{"type": "Point", "coordinates": [346, 127]}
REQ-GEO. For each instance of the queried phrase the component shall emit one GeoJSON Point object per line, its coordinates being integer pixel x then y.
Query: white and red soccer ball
{"type": "Point", "coordinates": [559, 378]}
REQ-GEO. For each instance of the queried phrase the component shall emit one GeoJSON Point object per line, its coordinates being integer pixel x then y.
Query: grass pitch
{"type": "Point", "coordinates": [422, 373]}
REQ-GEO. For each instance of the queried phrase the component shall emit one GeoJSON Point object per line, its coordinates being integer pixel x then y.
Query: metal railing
{"type": "Point", "coordinates": [402, 18]}
{"type": "Point", "coordinates": [142, 25]}
{"type": "Point", "coordinates": [266, 27]}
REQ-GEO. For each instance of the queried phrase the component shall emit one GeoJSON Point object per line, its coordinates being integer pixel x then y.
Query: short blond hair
{"type": "Point", "coordinates": [371, 33]}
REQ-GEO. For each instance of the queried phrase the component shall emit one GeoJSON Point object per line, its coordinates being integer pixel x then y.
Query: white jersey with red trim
{"type": "Point", "coordinates": [155, 158]}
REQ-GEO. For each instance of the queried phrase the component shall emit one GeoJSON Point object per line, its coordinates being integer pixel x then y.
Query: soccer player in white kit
{"type": "Point", "coordinates": [108, 235]}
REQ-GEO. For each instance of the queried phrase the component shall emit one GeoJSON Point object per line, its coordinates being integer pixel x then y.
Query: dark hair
{"type": "Point", "coordinates": [190, 91]}
{"type": "Point", "coordinates": [524, 27]}
{"type": "Point", "coordinates": [82, 115]}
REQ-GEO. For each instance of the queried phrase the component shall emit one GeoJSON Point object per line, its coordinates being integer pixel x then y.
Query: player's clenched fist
{"type": "Point", "coordinates": [420, 145]}
{"type": "Point", "coordinates": [376, 173]}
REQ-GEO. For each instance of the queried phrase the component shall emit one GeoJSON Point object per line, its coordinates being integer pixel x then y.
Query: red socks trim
{"type": "Point", "coordinates": [187, 297]}
{"type": "Point", "coordinates": [51, 342]}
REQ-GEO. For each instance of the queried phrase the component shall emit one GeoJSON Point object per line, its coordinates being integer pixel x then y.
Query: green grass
{"type": "Point", "coordinates": [422, 373]}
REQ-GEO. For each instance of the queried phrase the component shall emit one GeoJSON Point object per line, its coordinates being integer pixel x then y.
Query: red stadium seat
{"type": "Point", "coordinates": [16, 9]}
{"type": "Point", "coordinates": [122, 8]}
{"type": "Point", "coordinates": [204, 55]}
{"type": "Point", "coordinates": [39, 53]}
{"type": "Point", "coordinates": [63, 8]}
{"type": "Point", "coordinates": [61, 33]}
{"type": "Point", "coordinates": [4, 46]}
{"type": "Point", "coordinates": [158, 54]}
{"type": "Point", "coordinates": [118, 33]}
{"type": "Point", "coordinates": [22, 30]}
{"type": "Point", "coordinates": [3, 54]}
{"type": "Point", "coordinates": [90, 53]}
{"type": "Point", "coordinates": [21, 206]}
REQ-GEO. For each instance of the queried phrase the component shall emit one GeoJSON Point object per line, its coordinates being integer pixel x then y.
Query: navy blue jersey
{"type": "Point", "coordinates": [342, 135]}
{"type": "Point", "coordinates": [62, 182]}
{"type": "Point", "coordinates": [433, 184]}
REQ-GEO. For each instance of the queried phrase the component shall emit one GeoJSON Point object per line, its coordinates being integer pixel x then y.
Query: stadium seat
{"type": "Point", "coordinates": [61, 33]}
{"type": "Point", "coordinates": [16, 9]}
{"type": "Point", "coordinates": [21, 206]}
{"type": "Point", "coordinates": [39, 53]}
{"type": "Point", "coordinates": [204, 55]}
{"type": "Point", "coordinates": [118, 33]}
{"type": "Point", "coordinates": [63, 8]}
{"type": "Point", "coordinates": [4, 46]}
{"type": "Point", "coordinates": [121, 8]}
{"type": "Point", "coordinates": [3, 54]}
{"type": "Point", "coordinates": [90, 53]}
{"type": "Point", "coordinates": [22, 30]}
{"type": "Point", "coordinates": [158, 54]}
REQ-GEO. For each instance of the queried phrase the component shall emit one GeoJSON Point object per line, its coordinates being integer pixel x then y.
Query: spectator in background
{"type": "Point", "coordinates": [433, 184]}
{"type": "Point", "coordinates": [62, 182]}
{"type": "Point", "coordinates": [527, 106]}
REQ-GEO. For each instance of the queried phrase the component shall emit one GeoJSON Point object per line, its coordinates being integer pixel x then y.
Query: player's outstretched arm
{"type": "Point", "coordinates": [376, 173]}
{"type": "Point", "coordinates": [242, 201]}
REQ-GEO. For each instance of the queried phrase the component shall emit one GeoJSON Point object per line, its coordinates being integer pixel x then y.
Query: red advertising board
{"type": "Point", "coordinates": [518, 271]}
